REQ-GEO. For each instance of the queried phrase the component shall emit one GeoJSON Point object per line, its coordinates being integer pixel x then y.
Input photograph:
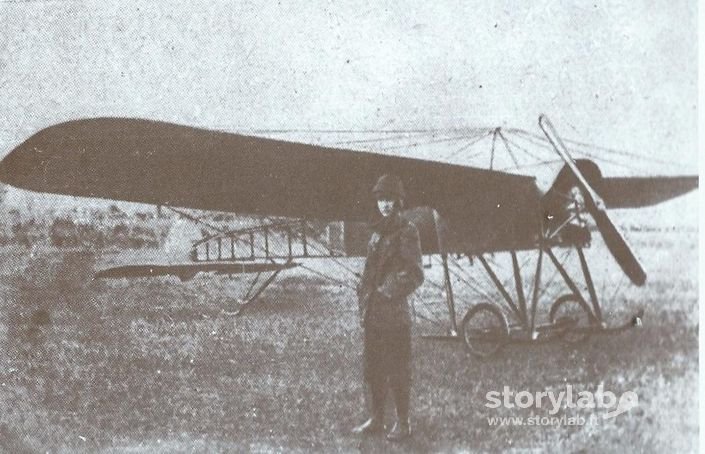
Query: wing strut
{"type": "Point", "coordinates": [449, 295]}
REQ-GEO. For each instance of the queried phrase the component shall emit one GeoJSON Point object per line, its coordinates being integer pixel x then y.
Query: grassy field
{"type": "Point", "coordinates": [157, 365]}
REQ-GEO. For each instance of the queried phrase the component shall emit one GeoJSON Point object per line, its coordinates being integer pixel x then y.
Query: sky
{"type": "Point", "coordinates": [620, 74]}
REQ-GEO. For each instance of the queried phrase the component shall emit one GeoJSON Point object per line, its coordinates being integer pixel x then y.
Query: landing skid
{"type": "Point", "coordinates": [573, 318]}
{"type": "Point", "coordinates": [565, 331]}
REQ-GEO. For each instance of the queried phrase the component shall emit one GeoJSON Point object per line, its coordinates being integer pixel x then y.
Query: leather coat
{"type": "Point", "coordinates": [393, 270]}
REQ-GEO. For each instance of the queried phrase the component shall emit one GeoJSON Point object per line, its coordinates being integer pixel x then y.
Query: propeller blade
{"type": "Point", "coordinates": [619, 248]}
{"type": "Point", "coordinates": [616, 244]}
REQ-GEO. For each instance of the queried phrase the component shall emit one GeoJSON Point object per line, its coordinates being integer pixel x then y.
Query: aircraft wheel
{"type": "Point", "coordinates": [485, 330]}
{"type": "Point", "coordinates": [569, 307]}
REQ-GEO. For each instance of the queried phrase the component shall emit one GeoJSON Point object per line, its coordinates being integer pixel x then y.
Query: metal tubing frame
{"type": "Point", "coordinates": [449, 294]}
{"type": "Point", "coordinates": [208, 246]}
{"type": "Point", "coordinates": [252, 286]}
{"type": "Point", "coordinates": [253, 299]}
{"type": "Point", "coordinates": [495, 280]}
{"type": "Point", "coordinates": [590, 284]}
{"type": "Point", "coordinates": [288, 239]}
{"type": "Point", "coordinates": [527, 315]}
{"type": "Point", "coordinates": [303, 237]}
{"type": "Point", "coordinates": [519, 286]}
{"type": "Point", "coordinates": [571, 285]}
{"type": "Point", "coordinates": [535, 296]}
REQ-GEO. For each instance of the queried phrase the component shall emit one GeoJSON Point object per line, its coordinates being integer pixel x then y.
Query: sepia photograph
{"type": "Point", "coordinates": [318, 226]}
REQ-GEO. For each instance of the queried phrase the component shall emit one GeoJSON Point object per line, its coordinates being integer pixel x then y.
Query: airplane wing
{"type": "Point", "coordinates": [622, 192]}
{"type": "Point", "coordinates": [635, 192]}
{"type": "Point", "coordinates": [166, 164]}
{"type": "Point", "coordinates": [160, 163]}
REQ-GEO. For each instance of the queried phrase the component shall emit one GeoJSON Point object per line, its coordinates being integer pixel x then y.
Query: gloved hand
{"type": "Point", "coordinates": [381, 297]}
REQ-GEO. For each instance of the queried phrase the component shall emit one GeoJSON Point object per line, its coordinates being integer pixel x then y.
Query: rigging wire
{"type": "Point", "coordinates": [325, 276]}
{"type": "Point", "coordinates": [476, 154]}
{"type": "Point", "coordinates": [528, 166]}
{"type": "Point", "coordinates": [430, 306]}
{"type": "Point", "coordinates": [620, 283]}
{"type": "Point", "coordinates": [435, 322]}
{"type": "Point", "coordinates": [434, 309]}
{"type": "Point", "coordinates": [615, 151]}
{"type": "Point", "coordinates": [507, 147]}
{"type": "Point", "coordinates": [467, 146]}
{"type": "Point", "coordinates": [194, 219]}
{"type": "Point", "coordinates": [494, 142]}
{"type": "Point", "coordinates": [531, 138]}
{"type": "Point", "coordinates": [547, 285]}
{"type": "Point", "coordinates": [516, 145]}
{"type": "Point", "coordinates": [428, 142]}
{"type": "Point", "coordinates": [606, 160]}
{"type": "Point", "coordinates": [352, 131]}
{"type": "Point", "coordinates": [579, 147]}
{"type": "Point", "coordinates": [475, 286]}
{"type": "Point", "coordinates": [407, 136]}
{"type": "Point", "coordinates": [336, 260]}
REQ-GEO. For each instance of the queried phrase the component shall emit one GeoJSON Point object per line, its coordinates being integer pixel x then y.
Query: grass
{"type": "Point", "coordinates": [156, 365]}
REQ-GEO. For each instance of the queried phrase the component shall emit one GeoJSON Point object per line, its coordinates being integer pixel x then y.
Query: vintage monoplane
{"type": "Point", "coordinates": [459, 210]}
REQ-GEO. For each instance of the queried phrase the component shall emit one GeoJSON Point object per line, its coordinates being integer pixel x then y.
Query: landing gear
{"type": "Point", "coordinates": [569, 309]}
{"type": "Point", "coordinates": [572, 317]}
{"type": "Point", "coordinates": [485, 330]}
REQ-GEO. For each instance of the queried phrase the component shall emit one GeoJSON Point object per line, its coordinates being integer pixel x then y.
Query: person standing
{"type": "Point", "coordinates": [393, 270]}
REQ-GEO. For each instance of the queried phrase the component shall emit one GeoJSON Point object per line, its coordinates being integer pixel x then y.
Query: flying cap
{"type": "Point", "coordinates": [389, 186]}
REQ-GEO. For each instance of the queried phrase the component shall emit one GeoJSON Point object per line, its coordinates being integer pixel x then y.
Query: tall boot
{"type": "Point", "coordinates": [375, 424]}
{"type": "Point", "coordinates": [401, 387]}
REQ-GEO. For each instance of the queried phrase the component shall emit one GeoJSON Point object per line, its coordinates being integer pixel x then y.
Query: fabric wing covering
{"type": "Point", "coordinates": [160, 163]}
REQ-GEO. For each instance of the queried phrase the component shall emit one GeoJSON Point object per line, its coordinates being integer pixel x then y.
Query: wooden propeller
{"type": "Point", "coordinates": [616, 244]}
